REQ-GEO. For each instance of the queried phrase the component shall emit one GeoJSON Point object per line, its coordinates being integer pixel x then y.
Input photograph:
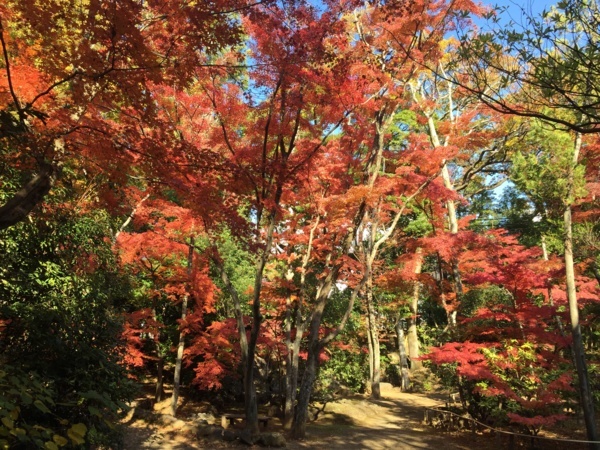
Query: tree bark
{"type": "Point", "coordinates": [28, 197]}
{"type": "Point", "coordinates": [160, 365]}
{"type": "Point", "coordinates": [160, 360]}
{"type": "Point", "coordinates": [129, 218]}
{"type": "Point", "coordinates": [310, 371]}
{"type": "Point", "coordinates": [315, 345]}
{"type": "Point", "coordinates": [412, 335]}
{"type": "Point", "coordinates": [374, 347]}
{"type": "Point", "coordinates": [587, 402]}
{"type": "Point", "coordinates": [291, 375]}
{"type": "Point", "coordinates": [452, 217]}
{"type": "Point", "coordinates": [250, 406]}
{"type": "Point", "coordinates": [290, 369]}
{"type": "Point", "coordinates": [404, 378]}
{"type": "Point", "coordinates": [178, 361]}
{"type": "Point", "coordinates": [293, 346]}
{"type": "Point", "coordinates": [181, 345]}
{"type": "Point", "coordinates": [308, 379]}
{"type": "Point", "coordinates": [291, 386]}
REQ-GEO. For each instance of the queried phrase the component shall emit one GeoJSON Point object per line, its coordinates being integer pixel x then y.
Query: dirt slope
{"type": "Point", "coordinates": [394, 422]}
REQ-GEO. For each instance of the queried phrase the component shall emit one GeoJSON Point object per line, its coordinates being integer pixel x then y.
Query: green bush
{"type": "Point", "coordinates": [344, 369]}
{"type": "Point", "coordinates": [60, 336]}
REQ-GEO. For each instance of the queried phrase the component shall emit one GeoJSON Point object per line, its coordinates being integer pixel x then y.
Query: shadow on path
{"type": "Point", "coordinates": [392, 422]}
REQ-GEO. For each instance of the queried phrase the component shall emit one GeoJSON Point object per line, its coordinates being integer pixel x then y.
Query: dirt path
{"type": "Point", "coordinates": [394, 422]}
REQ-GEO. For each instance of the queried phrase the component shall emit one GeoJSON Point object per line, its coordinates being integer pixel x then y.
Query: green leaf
{"type": "Point", "coordinates": [94, 411]}
{"type": "Point", "coordinates": [26, 398]}
{"type": "Point", "coordinates": [19, 432]}
{"type": "Point", "coordinates": [40, 405]}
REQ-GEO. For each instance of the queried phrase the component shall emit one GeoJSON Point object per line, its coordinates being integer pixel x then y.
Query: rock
{"type": "Point", "coordinates": [207, 408]}
{"type": "Point", "coordinates": [248, 438]}
{"type": "Point", "coordinates": [205, 430]}
{"type": "Point", "coordinates": [272, 440]}
{"type": "Point", "coordinates": [189, 429]}
{"type": "Point", "coordinates": [229, 435]}
{"type": "Point", "coordinates": [206, 417]}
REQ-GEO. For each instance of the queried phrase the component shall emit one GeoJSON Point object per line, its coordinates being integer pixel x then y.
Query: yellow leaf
{"type": "Point", "coordinates": [59, 440]}
{"type": "Point", "coordinates": [77, 432]}
{"type": "Point", "coordinates": [49, 445]}
{"type": "Point", "coordinates": [8, 423]}
{"type": "Point", "coordinates": [14, 414]}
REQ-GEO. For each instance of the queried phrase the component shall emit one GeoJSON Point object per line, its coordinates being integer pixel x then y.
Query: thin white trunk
{"type": "Point", "coordinates": [587, 402]}
{"type": "Point", "coordinates": [413, 337]}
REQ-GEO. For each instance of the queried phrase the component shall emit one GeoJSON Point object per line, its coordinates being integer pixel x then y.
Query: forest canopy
{"type": "Point", "coordinates": [265, 201]}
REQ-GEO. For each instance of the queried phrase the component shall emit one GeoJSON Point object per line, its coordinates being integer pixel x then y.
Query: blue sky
{"type": "Point", "coordinates": [515, 7]}
{"type": "Point", "coordinates": [534, 6]}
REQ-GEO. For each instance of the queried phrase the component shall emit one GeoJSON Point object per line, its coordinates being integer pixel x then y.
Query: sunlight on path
{"type": "Point", "coordinates": [394, 422]}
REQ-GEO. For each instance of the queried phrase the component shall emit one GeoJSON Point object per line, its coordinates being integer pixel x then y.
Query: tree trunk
{"type": "Point", "coordinates": [181, 346]}
{"type": "Point", "coordinates": [291, 387]}
{"type": "Point", "coordinates": [294, 346]}
{"type": "Point", "coordinates": [578, 350]}
{"type": "Point", "coordinates": [315, 345]}
{"type": "Point", "coordinates": [290, 368]}
{"type": "Point", "coordinates": [129, 218]}
{"type": "Point", "coordinates": [178, 361]}
{"type": "Point", "coordinates": [404, 378]}
{"type": "Point", "coordinates": [413, 337]}
{"type": "Point", "coordinates": [250, 406]}
{"type": "Point", "coordinates": [27, 198]}
{"type": "Point", "coordinates": [452, 319]}
{"type": "Point", "coordinates": [374, 347]}
{"type": "Point", "coordinates": [370, 350]}
{"type": "Point", "coordinates": [452, 218]}
{"type": "Point", "coordinates": [544, 248]}
{"type": "Point", "coordinates": [291, 375]}
{"type": "Point", "coordinates": [308, 379]}
{"type": "Point", "coordinates": [160, 364]}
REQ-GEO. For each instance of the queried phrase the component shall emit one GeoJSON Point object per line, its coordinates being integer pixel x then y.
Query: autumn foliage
{"type": "Point", "coordinates": [257, 194]}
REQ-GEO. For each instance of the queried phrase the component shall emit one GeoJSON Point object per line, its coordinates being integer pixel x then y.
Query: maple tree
{"type": "Point", "coordinates": [160, 253]}
{"type": "Point", "coordinates": [262, 138]}
{"type": "Point", "coordinates": [522, 363]}
{"type": "Point", "coordinates": [271, 174]}
{"type": "Point", "coordinates": [75, 77]}
{"type": "Point", "coordinates": [546, 70]}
